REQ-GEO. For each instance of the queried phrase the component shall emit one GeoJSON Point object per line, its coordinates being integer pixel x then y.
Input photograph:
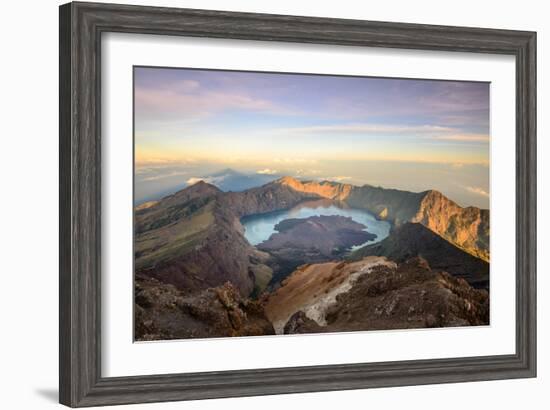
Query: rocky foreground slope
{"type": "Point", "coordinates": [370, 294]}
{"type": "Point", "coordinates": [313, 288]}
{"type": "Point", "coordinates": [163, 312]}
{"type": "Point", "coordinates": [374, 294]}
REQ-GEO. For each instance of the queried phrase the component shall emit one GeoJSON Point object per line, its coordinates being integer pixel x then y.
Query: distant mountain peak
{"type": "Point", "coordinates": [200, 182]}
{"type": "Point", "coordinates": [200, 187]}
{"type": "Point", "coordinates": [226, 171]}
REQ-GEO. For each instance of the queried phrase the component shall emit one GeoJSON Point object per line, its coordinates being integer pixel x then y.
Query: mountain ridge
{"type": "Point", "coordinates": [194, 239]}
{"type": "Point", "coordinates": [466, 227]}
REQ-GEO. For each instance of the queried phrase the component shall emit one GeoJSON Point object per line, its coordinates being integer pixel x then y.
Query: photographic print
{"type": "Point", "coordinates": [294, 203]}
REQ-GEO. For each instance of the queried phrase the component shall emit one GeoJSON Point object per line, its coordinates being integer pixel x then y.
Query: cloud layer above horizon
{"type": "Point", "coordinates": [267, 121]}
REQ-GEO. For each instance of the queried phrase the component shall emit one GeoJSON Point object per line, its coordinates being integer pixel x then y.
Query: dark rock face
{"type": "Point", "coordinates": [410, 296]}
{"type": "Point", "coordinates": [394, 205]}
{"type": "Point", "coordinates": [163, 312]}
{"type": "Point", "coordinates": [300, 323]}
{"type": "Point", "coordinates": [414, 239]}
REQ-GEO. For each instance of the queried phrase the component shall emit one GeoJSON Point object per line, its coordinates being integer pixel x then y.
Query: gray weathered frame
{"type": "Point", "coordinates": [81, 27]}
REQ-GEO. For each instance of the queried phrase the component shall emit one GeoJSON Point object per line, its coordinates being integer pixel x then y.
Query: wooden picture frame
{"type": "Point", "coordinates": [81, 27]}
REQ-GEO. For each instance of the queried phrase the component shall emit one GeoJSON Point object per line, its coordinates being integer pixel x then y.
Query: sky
{"type": "Point", "coordinates": [397, 133]}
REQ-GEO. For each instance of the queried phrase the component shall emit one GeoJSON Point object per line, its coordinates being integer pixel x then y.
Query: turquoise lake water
{"type": "Point", "coordinates": [259, 228]}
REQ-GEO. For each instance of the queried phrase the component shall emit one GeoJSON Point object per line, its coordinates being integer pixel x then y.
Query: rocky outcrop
{"type": "Point", "coordinates": [299, 322]}
{"type": "Point", "coordinates": [163, 312]}
{"type": "Point", "coordinates": [313, 288]}
{"type": "Point", "coordinates": [323, 189]}
{"type": "Point", "coordinates": [414, 239]}
{"type": "Point", "coordinates": [386, 296]}
{"type": "Point", "coordinates": [157, 214]}
{"type": "Point", "coordinates": [467, 228]}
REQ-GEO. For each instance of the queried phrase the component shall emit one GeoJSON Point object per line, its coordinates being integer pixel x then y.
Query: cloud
{"type": "Point", "coordinates": [187, 99]}
{"type": "Point", "coordinates": [145, 160]}
{"type": "Point", "coordinates": [305, 172]}
{"type": "Point", "coordinates": [186, 86]}
{"type": "Point", "coordinates": [142, 161]}
{"type": "Point", "coordinates": [478, 191]}
{"type": "Point", "coordinates": [365, 128]}
{"type": "Point", "coordinates": [451, 103]}
{"type": "Point", "coordinates": [214, 180]}
{"type": "Point", "coordinates": [456, 97]}
{"type": "Point", "coordinates": [428, 132]}
{"type": "Point", "coordinates": [194, 180]}
{"type": "Point", "coordinates": [267, 171]}
{"type": "Point", "coordinates": [460, 165]}
{"type": "Point", "coordinates": [290, 160]}
{"type": "Point", "coordinates": [463, 137]}
{"type": "Point", "coordinates": [162, 176]}
{"type": "Point", "coordinates": [338, 179]}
